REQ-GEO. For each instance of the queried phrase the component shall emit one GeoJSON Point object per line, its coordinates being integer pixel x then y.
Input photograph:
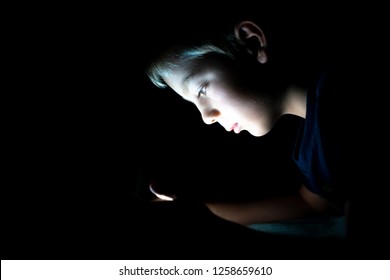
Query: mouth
{"type": "Point", "coordinates": [235, 127]}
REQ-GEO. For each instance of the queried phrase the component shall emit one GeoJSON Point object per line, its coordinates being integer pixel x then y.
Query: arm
{"type": "Point", "coordinates": [303, 204]}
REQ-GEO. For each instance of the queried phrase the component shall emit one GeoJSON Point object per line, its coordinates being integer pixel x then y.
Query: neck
{"type": "Point", "coordinates": [295, 101]}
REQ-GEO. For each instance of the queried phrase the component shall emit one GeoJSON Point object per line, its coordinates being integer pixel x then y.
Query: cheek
{"type": "Point", "coordinates": [234, 102]}
{"type": "Point", "coordinates": [229, 98]}
{"type": "Point", "coordinates": [223, 94]}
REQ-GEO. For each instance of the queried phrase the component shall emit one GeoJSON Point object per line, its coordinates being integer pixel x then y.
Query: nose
{"type": "Point", "coordinates": [210, 116]}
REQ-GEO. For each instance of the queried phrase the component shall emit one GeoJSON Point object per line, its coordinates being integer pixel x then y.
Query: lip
{"type": "Point", "coordinates": [235, 127]}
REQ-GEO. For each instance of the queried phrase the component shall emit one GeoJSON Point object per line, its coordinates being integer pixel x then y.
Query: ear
{"type": "Point", "coordinates": [250, 35]}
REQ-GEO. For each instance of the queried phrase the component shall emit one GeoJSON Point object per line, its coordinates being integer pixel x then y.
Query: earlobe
{"type": "Point", "coordinates": [252, 37]}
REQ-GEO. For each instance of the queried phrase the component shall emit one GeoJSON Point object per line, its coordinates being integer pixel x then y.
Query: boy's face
{"type": "Point", "coordinates": [221, 97]}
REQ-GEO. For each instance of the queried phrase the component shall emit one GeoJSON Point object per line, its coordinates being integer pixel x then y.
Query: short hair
{"type": "Point", "coordinates": [224, 46]}
{"type": "Point", "coordinates": [178, 38]}
{"type": "Point", "coordinates": [185, 38]}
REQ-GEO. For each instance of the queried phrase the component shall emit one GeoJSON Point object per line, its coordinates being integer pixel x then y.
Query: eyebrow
{"type": "Point", "coordinates": [187, 79]}
{"type": "Point", "coordinates": [192, 71]}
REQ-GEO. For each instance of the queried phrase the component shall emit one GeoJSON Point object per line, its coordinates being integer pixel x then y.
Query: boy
{"type": "Point", "coordinates": [239, 76]}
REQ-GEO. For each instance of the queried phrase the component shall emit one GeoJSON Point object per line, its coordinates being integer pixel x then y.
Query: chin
{"type": "Point", "coordinates": [258, 133]}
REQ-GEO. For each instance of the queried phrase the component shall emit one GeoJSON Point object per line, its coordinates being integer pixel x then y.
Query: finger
{"type": "Point", "coordinates": [161, 196]}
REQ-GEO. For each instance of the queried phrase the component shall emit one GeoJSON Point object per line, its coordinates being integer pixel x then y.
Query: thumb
{"type": "Point", "coordinates": [152, 188]}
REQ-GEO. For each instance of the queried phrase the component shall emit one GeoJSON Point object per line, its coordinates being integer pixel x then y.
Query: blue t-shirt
{"type": "Point", "coordinates": [322, 147]}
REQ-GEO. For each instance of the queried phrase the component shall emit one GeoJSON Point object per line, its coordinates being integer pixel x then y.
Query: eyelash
{"type": "Point", "coordinates": [202, 91]}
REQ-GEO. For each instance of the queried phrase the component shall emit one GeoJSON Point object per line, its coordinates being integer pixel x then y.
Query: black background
{"type": "Point", "coordinates": [89, 132]}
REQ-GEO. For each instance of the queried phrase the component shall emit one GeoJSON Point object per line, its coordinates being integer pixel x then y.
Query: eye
{"type": "Point", "coordinates": [202, 91]}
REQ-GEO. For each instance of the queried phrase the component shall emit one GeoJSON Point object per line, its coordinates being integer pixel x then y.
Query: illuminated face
{"type": "Point", "coordinates": [221, 97]}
